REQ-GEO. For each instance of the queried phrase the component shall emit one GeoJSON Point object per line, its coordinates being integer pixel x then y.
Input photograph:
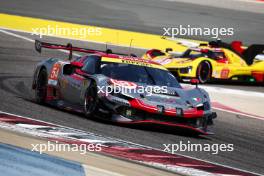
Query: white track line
{"type": "Point", "coordinates": [82, 40]}
{"type": "Point", "coordinates": [233, 91]}
{"type": "Point", "coordinates": [30, 40]}
{"type": "Point", "coordinates": [239, 113]}
{"type": "Point", "coordinates": [120, 140]}
{"type": "Point", "coordinates": [229, 91]}
{"type": "Point", "coordinates": [94, 171]}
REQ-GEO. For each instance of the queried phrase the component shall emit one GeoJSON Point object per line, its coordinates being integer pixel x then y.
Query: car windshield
{"type": "Point", "coordinates": [195, 54]}
{"type": "Point", "coordinates": [192, 54]}
{"type": "Point", "coordinates": [139, 74]}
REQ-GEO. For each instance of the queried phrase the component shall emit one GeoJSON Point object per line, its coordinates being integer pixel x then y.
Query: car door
{"type": "Point", "coordinates": [76, 82]}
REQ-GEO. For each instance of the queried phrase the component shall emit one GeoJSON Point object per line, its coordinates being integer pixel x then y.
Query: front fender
{"type": "Point", "coordinates": [47, 64]}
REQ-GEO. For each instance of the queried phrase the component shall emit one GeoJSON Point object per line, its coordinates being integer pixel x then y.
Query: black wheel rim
{"type": "Point", "coordinates": [204, 72]}
{"type": "Point", "coordinates": [90, 101]}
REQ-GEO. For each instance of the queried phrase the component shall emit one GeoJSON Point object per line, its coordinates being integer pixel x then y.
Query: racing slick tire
{"type": "Point", "coordinates": [91, 101]}
{"type": "Point", "coordinates": [41, 86]}
{"type": "Point", "coordinates": [204, 72]}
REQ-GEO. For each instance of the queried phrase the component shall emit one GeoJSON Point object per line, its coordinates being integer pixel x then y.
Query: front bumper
{"type": "Point", "coordinates": [151, 123]}
{"type": "Point", "coordinates": [195, 120]}
{"type": "Point", "coordinates": [135, 111]}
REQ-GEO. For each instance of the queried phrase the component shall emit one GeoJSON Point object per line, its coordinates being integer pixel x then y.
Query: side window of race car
{"type": "Point", "coordinates": [91, 64]}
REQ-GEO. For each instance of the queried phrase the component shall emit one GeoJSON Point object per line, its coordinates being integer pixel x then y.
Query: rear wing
{"type": "Point", "coordinates": [39, 45]}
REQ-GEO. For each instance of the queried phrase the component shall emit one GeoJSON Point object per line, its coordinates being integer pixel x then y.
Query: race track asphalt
{"type": "Point", "coordinates": [143, 15]}
{"type": "Point", "coordinates": [17, 61]}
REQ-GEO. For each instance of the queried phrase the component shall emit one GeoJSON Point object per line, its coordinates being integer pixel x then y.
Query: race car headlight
{"type": "Point", "coordinates": [186, 70]}
{"type": "Point", "coordinates": [204, 106]}
{"type": "Point", "coordinates": [128, 112]}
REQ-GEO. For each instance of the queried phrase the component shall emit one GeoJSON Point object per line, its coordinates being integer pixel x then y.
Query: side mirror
{"type": "Point", "coordinates": [77, 64]}
{"type": "Point", "coordinates": [194, 81]}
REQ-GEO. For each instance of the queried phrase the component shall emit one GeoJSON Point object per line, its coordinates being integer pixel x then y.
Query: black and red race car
{"type": "Point", "coordinates": [120, 88]}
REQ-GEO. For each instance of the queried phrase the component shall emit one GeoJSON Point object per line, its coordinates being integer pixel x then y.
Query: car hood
{"type": "Point", "coordinates": [172, 62]}
{"type": "Point", "coordinates": [178, 97]}
{"type": "Point", "coordinates": [172, 96]}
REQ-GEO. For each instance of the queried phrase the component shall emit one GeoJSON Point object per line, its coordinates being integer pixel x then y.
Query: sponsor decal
{"type": "Point", "coordinates": [135, 62]}
{"type": "Point", "coordinates": [163, 61]}
{"type": "Point", "coordinates": [53, 77]}
{"type": "Point", "coordinates": [225, 73]}
{"type": "Point", "coordinates": [125, 84]}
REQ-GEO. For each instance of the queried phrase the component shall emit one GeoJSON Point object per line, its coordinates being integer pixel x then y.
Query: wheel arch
{"type": "Point", "coordinates": [86, 86]}
{"type": "Point", "coordinates": [204, 60]}
{"type": "Point", "coordinates": [36, 74]}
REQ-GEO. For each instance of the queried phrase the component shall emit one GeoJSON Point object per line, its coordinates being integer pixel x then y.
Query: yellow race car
{"type": "Point", "coordinates": [214, 60]}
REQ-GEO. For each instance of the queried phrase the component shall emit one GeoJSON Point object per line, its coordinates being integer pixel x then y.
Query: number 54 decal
{"type": "Point", "coordinates": [53, 77]}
